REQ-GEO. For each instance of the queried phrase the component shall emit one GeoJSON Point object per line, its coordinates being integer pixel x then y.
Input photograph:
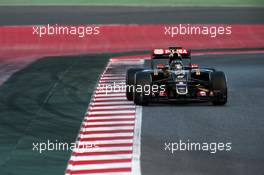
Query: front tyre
{"type": "Point", "coordinates": [219, 87]}
{"type": "Point", "coordinates": [130, 82]}
{"type": "Point", "coordinates": [142, 93]}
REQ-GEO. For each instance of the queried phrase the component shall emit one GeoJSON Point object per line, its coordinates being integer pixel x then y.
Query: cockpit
{"type": "Point", "coordinates": [176, 65]}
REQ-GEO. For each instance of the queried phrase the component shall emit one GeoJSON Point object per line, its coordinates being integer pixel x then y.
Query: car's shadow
{"type": "Point", "coordinates": [182, 104]}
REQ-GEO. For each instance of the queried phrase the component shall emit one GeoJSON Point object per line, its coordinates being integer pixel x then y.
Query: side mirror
{"type": "Point", "coordinates": [160, 66]}
{"type": "Point", "coordinates": [194, 66]}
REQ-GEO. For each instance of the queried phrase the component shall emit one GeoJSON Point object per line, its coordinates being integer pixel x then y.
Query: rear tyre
{"type": "Point", "coordinates": [219, 87]}
{"type": "Point", "coordinates": [130, 82]}
{"type": "Point", "coordinates": [142, 94]}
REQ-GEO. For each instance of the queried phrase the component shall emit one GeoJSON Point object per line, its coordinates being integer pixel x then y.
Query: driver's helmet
{"type": "Point", "coordinates": [176, 65]}
{"type": "Point", "coordinates": [174, 56]}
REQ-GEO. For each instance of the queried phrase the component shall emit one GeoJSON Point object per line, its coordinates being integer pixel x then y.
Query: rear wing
{"type": "Point", "coordinates": [165, 53]}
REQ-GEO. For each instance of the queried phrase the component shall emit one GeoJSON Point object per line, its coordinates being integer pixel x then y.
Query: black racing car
{"type": "Point", "coordinates": [176, 79]}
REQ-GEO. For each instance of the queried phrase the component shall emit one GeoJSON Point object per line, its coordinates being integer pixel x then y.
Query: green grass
{"type": "Point", "coordinates": [137, 2]}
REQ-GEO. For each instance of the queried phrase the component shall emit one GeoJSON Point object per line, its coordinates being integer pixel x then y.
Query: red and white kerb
{"type": "Point", "coordinates": [112, 126]}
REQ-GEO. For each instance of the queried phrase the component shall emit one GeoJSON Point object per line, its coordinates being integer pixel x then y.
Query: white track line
{"type": "Point", "coordinates": [99, 166]}
{"type": "Point", "coordinates": [80, 150]}
{"type": "Point", "coordinates": [117, 103]}
{"type": "Point", "coordinates": [106, 123]}
{"type": "Point", "coordinates": [102, 157]}
{"type": "Point", "coordinates": [113, 78]}
{"type": "Point", "coordinates": [114, 173]}
{"type": "Point", "coordinates": [116, 107]}
{"type": "Point", "coordinates": [106, 142]}
{"type": "Point", "coordinates": [112, 112]}
{"type": "Point", "coordinates": [136, 143]}
{"type": "Point", "coordinates": [110, 95]}
{"type": "Point", "coordinates": [107, 128]}
{"type": "Point", "coordinates": [105, 135]}
{"type": "Point", "coordinates": [109, 117]}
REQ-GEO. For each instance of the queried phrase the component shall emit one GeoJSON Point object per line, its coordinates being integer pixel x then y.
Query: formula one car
{"type": "Point", "coordinates": [173, 77]}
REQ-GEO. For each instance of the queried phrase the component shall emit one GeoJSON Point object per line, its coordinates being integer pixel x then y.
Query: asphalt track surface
{"type": "Point", "coordinates": [44, 101]}
{"type": "Point", "coordinates": [239, 122]}
{"type": "Point", "coordinates": [12, 15]}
